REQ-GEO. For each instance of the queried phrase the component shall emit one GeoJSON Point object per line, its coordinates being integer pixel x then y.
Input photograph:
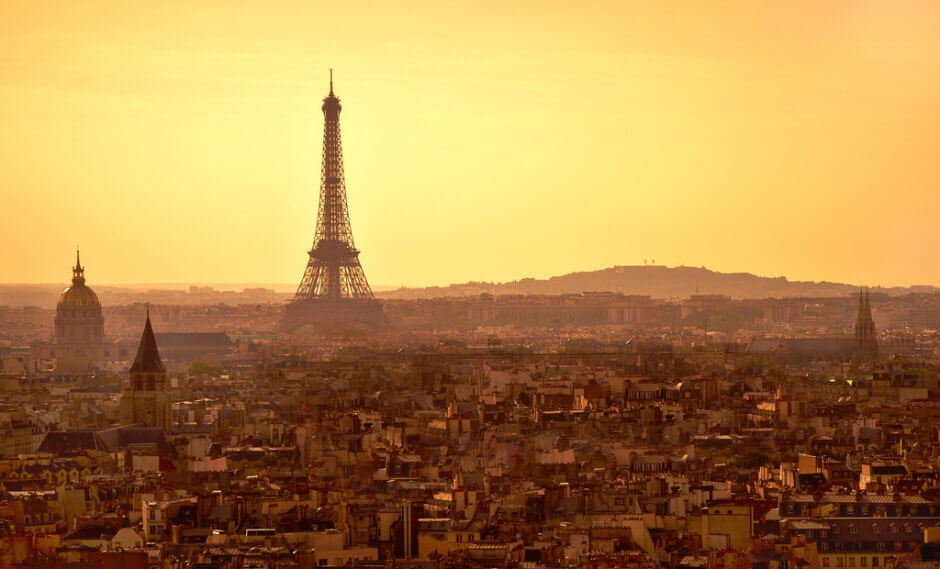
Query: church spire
{"type": "Point", "coordinates": [78, 271]}
{"type": "Point", "coordinates": [148, 357]}
{"type": "Point", "coordinates": [866, 340]}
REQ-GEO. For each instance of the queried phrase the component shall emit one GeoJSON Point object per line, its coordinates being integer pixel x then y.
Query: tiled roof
{"type": "Point", "coordinates": [193, 339]}
{"type": "Point", "coordinates": [836, 498]}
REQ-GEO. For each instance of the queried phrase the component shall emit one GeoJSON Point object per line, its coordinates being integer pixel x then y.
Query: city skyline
{"type": "Point", "coordinates": [469, 285]}
{"type": "Point", "coordinates": [182, 145]}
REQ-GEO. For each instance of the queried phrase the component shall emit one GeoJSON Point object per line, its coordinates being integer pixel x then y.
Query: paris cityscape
{"type": "Point", "coordinates": [574, 347]}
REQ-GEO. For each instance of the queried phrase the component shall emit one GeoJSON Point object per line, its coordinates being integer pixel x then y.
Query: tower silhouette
{"type": "Point", "coordinates": [145, 400]}
{"type": "Point", "coordinates": [866, 342]}
{"type": "Point", "coordinates": [333, 292]}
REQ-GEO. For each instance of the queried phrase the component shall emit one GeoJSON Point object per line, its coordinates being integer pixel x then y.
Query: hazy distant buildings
{"type": "Point", "coordinates": [187, 347]}
{"type": "Point", "coordinates": [699, 303]}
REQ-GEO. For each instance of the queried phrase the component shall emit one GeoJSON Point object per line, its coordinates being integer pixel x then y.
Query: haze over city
{"type": "Point", "coordinates": [469, 285]}
{"type": "Point", "coordinates": [180, 143]}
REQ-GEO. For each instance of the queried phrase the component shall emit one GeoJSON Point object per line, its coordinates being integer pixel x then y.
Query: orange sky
{"type": "Point", "coordinates": [180, 141]}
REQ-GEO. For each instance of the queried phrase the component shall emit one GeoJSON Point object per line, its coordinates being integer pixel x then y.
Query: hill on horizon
{"type": "Point", "coordinates": [658, 281]}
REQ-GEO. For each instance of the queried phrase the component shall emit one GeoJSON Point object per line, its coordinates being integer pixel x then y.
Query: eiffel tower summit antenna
{"type": "Point", "coordinates": [333, 292]}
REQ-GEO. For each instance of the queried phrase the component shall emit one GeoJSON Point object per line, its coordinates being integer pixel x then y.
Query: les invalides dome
{"type": "Point", "coordinates": [79, 325]}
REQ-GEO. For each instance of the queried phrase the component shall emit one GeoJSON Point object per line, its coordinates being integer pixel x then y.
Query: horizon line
{"type": "Point", "coordinates": [388, 287]}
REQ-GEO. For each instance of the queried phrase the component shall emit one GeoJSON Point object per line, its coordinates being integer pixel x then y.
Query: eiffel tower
{"type": "Point", "coordinates": [333, 293]}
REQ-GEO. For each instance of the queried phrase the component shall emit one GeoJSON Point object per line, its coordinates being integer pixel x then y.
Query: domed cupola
{"type": "Point", "coordinates": [78, 318]}
{"type": "Point", "coordinates": [79, 297]}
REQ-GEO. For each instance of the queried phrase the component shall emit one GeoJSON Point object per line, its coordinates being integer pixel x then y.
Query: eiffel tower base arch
{"type": "Point", "coordinates": [324, 315]}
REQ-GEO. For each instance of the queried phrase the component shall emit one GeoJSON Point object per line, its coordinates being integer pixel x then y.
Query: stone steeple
{"type": "Point", "coordinates": [145, 400]}
{"type": "Point", "coordinates": [866, 341]}
{"type": "Point", "coordinates": [148, 356]}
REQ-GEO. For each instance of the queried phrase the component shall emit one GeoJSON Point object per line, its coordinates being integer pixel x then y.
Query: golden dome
{"type": "Point", "coordinates": [78, 295]}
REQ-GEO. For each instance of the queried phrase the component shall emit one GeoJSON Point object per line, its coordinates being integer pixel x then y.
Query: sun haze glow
{"type": "Point", "coordinates": [180, 141]}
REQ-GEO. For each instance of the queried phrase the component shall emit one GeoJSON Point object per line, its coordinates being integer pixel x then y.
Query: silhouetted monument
{"type": "Point", "coordinates": [866, 342]}
{"type": "Point", "coordinates": [145, 400]}
{"type": "Point", "coordinates": [334, 292]}
{"type": "Point", "coordinates": [79, 326]}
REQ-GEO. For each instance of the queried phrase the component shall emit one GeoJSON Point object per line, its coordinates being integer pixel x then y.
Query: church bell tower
{"type": "Point", "coordinates": [866, 341]}
{"type": "Point", "coordinates": [145, 400]}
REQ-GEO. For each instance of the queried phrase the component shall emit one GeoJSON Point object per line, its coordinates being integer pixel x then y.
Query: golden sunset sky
{"type": "Point", "coordinates": [180, 141]}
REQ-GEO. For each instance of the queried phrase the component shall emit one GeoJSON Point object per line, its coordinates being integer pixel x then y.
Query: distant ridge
{"type": "Point", "coordinates": [656, 281]}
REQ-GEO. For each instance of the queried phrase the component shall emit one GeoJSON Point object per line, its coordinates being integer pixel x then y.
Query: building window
{"type": "Point", "coordinates": [881, 546]}
{"type": "Point", "coordinates": [825, 562]}
{"type": "Point", "coordinates": [862, 561]}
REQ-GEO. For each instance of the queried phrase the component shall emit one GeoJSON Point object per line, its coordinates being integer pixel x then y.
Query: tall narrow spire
{"type": "Point", "coordinates": [78, 272]}
{"type": "Point", "coordinates": [148, 356]}
{"type": "Point", "coordinates": [331, 81]}
{"type": "Point", "coordinates": [866, 340]}
{"type": "Point", "coordinates": [145, 401]}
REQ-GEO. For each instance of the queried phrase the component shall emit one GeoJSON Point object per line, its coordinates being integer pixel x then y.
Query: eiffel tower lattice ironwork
{"type": "Point", "coordinates": [334, 290]}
